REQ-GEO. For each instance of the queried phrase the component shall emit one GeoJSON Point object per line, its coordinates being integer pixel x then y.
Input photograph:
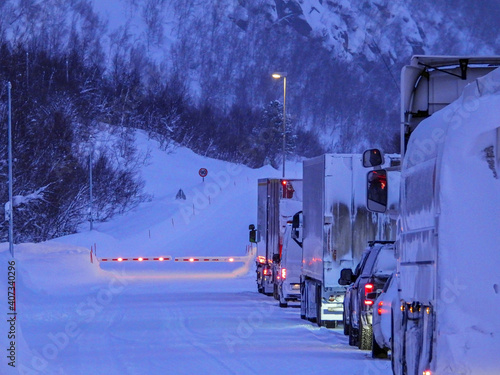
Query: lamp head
{"type": "Point", "coordinates": [278, 75]}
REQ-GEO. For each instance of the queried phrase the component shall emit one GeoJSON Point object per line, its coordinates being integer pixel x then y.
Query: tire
{"type": "Point", "coordinates": [282, 301]}
{"type": "Point", "coordinates": [347, 327]}
{"type": "Point", "coordinates": [319, 322]}
{"type": "Point", "coordinates": [303, 300]}
{"type": "Point", "coordinates": [330, 323]}
{"type": "Point", "coordinates": [377, 350]}
{"type": "Point", "coordinates": [353, 336]}
{"type": "Point", "coordinates": [312, 319]}
{"type": "Point", "coordinates": [365, 336]}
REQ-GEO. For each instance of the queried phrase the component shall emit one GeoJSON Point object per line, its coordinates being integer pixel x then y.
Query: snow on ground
{"type": "Point", "coordinates": [77, 317]}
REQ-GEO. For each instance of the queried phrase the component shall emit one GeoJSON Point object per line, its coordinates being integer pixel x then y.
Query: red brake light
{"type": "Point", "coordinates": [283, 273]}
{"type": "Point", "coordinates": [368, 288]}
{"type": "Point", "coordinates": [368, 302]}
{"type": "Point", "coordinates": [284, 182]}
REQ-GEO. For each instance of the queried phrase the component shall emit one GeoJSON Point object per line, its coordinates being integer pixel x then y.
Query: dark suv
{"type": "Point", "coordinates": [377, 264]}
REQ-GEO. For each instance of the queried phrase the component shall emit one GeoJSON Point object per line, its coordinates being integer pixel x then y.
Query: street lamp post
{"type": "Point", "coordinates": [279, 75]}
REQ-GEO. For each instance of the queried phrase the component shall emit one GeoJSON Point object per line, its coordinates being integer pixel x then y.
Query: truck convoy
{"type": "Point", "coordinates": [448, 246]}
{"type": "Point", "coordinates": [336, 228]}
{"type": "Point", "coordinates": [277, 201]}
{"type": "Point", "coordinates": [446, 199]}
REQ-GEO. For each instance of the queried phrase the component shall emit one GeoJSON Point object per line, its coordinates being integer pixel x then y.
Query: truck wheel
{"type": "Point", "coordinates": [311, 315]}
{"type": "Point", "coordinates": [303, 300]}
{"type": "Point", "coordinates": [365, 336]}
{"type": "Point", "coordinates": [282, 300]}
{"type": "Point", "coordinates": [377, 350]}
{"type": "Point", "coordinates": [347, 327]}
{"type": "Point", "coordinates": [330, 323]}
{"type": "Point", "coordinates": [353, 336]}
{"type": "Point", "coordinates": [319, 322]}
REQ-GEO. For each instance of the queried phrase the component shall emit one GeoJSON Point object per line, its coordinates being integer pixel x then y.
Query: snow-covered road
{"type": "Point", "coordinates": [140, 325]}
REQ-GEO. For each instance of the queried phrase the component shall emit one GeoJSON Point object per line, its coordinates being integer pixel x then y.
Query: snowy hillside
{"type": "Point", "coordinates": [212, 220]}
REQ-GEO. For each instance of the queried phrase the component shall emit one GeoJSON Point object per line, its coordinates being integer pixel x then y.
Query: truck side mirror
{"type": "Point", "coordinates": [346, 276]}
{"type": "Point", "coordinates": [297, 228]}
{"type": "Point", "coordinates": [276, 258]}
{"type": "Point", "coordinates": [377, 190]}
{"type": "Point", "coordinates": [252, 236]}
{"type": "Point", "coordinates": [372, 158]}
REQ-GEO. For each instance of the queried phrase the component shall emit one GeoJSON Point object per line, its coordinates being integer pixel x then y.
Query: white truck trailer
{"type": "Point", "coordinates": [448, 248]}
{"type": "Point", "coordinates": [277, 201]}
{"type": "Point", "coordinates": [336, 229]}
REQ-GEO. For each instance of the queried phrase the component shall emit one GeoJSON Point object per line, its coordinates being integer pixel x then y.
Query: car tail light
{"type": "Point", "coordinates": [368, 288]}
{"type": "Point", "coordinates": [427, 372]}
{"type": "Point", "coordinates": [283, 273]}
{"type": "Point", "coordinates": [267, 271]}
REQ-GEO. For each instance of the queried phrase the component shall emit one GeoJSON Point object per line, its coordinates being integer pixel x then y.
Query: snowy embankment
{"type": "Point", "coordinates": [77, 317]}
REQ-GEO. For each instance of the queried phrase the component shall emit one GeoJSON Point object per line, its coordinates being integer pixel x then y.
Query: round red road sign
{"type": "Point", "coordinates": [203, 172]}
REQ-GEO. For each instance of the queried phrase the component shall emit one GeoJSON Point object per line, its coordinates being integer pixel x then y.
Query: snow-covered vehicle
{"type": "Point", "coordinates": [375, 270]}
{"type": "Point", "coordinates": [336, 229]}
{"type": "Point", "coordinates": [278, 201]}
{"type": "Point", "coordinates": [382, 318]}
{"type": "Point", "coordinates": [448, 246]}
{"type": "Point", "coordinates": [289, 268]}
{"type": "Point", "coordinates": [349, 279]}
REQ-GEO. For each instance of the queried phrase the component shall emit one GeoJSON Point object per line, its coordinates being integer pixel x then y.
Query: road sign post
{"type": "Point", "coordinates": [203, 172]}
